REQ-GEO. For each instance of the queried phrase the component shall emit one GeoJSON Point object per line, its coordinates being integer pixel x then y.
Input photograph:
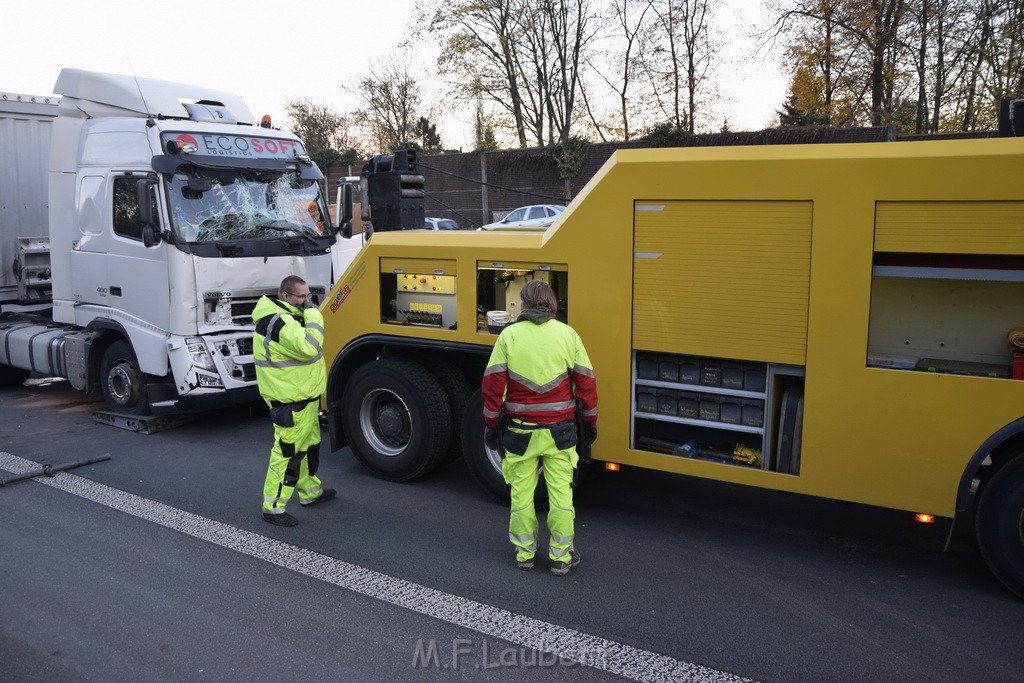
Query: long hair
{"type": "Point", "coordinates": [538, 294]}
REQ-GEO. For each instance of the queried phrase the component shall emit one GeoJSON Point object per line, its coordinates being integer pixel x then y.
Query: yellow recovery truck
{"type": "Point", "coordinates": [831, 320]}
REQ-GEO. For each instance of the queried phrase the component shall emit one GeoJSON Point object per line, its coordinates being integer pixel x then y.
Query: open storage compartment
{"type": "Point", "coordinates": [947, 287]}
{"type": "Point", "coordinates": [734, 412]}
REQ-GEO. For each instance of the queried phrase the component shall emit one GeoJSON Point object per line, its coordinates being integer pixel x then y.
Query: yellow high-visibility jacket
{"type": "Point", "coordinates": [287, 346]}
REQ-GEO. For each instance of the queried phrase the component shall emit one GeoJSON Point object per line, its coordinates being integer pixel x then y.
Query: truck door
{"type": "Point", "coordinates": [88, 256]}
{"type": "Point", "coordinates": [136, 276]}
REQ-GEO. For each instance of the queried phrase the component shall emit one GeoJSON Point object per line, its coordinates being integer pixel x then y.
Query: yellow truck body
{"type": "Point", "coordinates": [843, 311]}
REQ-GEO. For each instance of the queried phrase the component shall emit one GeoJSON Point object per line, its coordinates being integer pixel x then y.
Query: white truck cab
{"type": "Point", "coordinates": [170, 213]}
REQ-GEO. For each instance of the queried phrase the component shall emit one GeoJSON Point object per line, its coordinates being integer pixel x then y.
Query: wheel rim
{"type": "Point", "coordinates": [385, 422]}
{"type": "Point", "coordinates": [493, 457]}
{"type": "Point", "coordinates": [123, 383]}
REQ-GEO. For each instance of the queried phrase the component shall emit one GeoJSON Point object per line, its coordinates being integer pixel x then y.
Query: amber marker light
{"type": "Point", "coordinates": [924, 519]}
{"type": "Point", "coordinates": [612, 466]}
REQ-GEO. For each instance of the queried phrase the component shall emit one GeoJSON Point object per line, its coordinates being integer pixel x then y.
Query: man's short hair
{"type": "Point", "coordinates": [288, 284]}
{"type": "Point", "coordinates": [538, 294]}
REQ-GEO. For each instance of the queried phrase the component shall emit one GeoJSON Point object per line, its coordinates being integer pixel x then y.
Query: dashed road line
{"type": "Point", "coordinates": [585, 649]}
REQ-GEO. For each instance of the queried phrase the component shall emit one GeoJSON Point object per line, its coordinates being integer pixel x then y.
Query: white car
{"type": "Point", "coordinates": [536, 216]}
{"type": "Point", "coordinates": [440, 224]}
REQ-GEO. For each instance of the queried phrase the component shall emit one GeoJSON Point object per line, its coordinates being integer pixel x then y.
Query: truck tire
{"type": "Point", "coordinates": [485, 464]}
{"type": "Point", "coordinates": [457, 389]}
{"type": "Point", "coordinates": [999, 525]}
{"type": "Point", "coordinates": [397, 419]}
{"type": "Point", "coordinates": [12, 377]}
{"type": "Point", "coordinates": [122, 384]}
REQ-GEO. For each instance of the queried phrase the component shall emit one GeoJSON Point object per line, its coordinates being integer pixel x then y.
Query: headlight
{"type": "Point", "coordinates": [208, 380]}
{"type": "Point", "coordinates": [199, 353]}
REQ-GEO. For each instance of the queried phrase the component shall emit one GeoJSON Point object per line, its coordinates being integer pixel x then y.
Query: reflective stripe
{"type": "Point", "coordinates": [539, 407]}
{"type": "Point", "coordinates": [561, 540]}
{"type": "Point", "coordinates": [583, 370]}
{"type": "Point", "coordinates": [309, 492]}
{"type": "Point", "coordinates": [315, 326]}
{"type": "Point", "coordinates": [588, 413]}
{"type": "Point", "coordinates": [520, 509]}
{"type": "Point", "coordinates": [288, 363]}
{"type": "Point", "coordinates": [267, 340]}
{"type": "Point", "coordinates": [491, 414]}
{"type": "Point", "coordinates": [538, 388]}
{"type": "Point", "coordinates": [314, 342]}
{"type": "Point", "coordinates": [527, 543]}
{"type": "Point", "coordinates": [272, 499]}
{"type": "Point", "coordinates": [559, 552]}
{"type": "Point", "coordinates": [498, 367]}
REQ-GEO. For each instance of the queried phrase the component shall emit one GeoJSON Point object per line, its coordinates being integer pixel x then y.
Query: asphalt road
{"type": "Point", "coordinates": [156, 565]}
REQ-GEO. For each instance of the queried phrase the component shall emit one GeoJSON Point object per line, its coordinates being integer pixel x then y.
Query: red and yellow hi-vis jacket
{"type": "Point", "coordinates": [539, 371]}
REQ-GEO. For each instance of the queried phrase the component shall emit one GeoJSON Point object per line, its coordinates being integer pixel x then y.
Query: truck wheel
{"type": "Point", "coordinates": [397, 419]}
{"type": "Point", "coordinates": [12, 377]}
{"type": "Point", "coordinates": [457, 389]}
{"type": "Point", "coordinates": [122, 383]}
{"type": "Point", "coordinates": [999, 525]}
{"type": "Point", "coordinates": [485, 464]}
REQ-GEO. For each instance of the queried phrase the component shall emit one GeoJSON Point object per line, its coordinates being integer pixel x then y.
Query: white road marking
{"type": "Point", "coordinates": [588, 650]}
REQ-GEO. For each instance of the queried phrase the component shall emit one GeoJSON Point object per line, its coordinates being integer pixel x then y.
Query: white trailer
{"type": "Point", "coordinates": [140, 221]}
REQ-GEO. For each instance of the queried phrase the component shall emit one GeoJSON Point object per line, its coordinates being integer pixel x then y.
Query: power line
{"type": "Point", "coordinates": [492, 185]}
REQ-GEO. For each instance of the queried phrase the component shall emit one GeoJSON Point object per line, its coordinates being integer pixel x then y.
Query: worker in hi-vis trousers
{"type": "Point", "coordinates": [538, 376]}
{"type": "Point", "coordinates": [291, 374]}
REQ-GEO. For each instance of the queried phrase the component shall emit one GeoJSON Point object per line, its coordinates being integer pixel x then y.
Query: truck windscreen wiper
{"type": "Point", "coordinates": [291, 229]}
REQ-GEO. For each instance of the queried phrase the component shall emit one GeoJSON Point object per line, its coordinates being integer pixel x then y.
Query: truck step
{"type": "Point", "coordinates": [146, 424]}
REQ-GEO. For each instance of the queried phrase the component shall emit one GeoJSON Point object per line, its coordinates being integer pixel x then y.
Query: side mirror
{"type": "Point", "coordinates": [343, 210]}
{"type": "Point", "coordinates": [150, 237]}
{"type": "Point", "coordinates": [144, 201]}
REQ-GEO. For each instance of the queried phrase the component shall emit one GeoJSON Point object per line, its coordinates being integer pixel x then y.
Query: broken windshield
{"type": "Point", "coordinates": [245, 205]}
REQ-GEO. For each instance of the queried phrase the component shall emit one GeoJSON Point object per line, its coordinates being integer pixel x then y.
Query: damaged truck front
{"type": "Point", "coordinates": [170, 212]}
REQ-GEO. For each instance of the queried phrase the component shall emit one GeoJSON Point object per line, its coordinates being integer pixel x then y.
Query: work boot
{"type": "Point", "coordinates": [280, 519]}
{"type": "Point", "coordinates": [562, 568]}
{"type": "Point", "coordinates": [325, 495]}
{"type": "Point", "coordinates": [525, 565]}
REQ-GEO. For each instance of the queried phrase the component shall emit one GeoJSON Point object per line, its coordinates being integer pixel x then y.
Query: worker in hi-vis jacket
{"type": "Point", "coordinates": [291, 374]}
{"type": "Point", "coordinates": [537, 377]}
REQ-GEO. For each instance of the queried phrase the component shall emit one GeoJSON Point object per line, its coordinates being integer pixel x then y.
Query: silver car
{"type": "Point", "coordinates": [440, 224]}
{"type": "Point", "coordinates": [535, 216]}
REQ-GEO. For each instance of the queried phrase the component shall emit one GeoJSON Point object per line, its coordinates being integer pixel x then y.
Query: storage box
{"type": "Point", "coordinates": [497, 321]}
{"type": "Point", "coordinates": [752, 413]}
{"type": "Point", "coordinates": [646, 401]}
{"type": "Point", "coordinates": [668, 402]}
{"type": "Point", "coordinates": [710, 373]}
{"type": "Point", "coordinates": [753, 378]}
{"type": "Point", "coordinates": [709, 408]}
{"type": "Point", "coordinates": [730, 412]}
{"type": "Point", "coordinates": [689, 372]}
{"type": "Point", "coordinates": [668, 370]}
{"type": "Point", "coordinates": [689, 405]}
{"type": "Point", "coordinates": [646, 367]}
{"type": "Point", "coordinates": [732, 376]}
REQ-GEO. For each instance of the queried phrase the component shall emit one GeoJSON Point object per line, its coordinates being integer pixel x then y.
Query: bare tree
{"type": "Point", "coordinates": [324, 133]}
{"type": "Point", "coordinates": [481, 43]}
{"type": "Point", "coordinates": [319, 126]}
{"type": "Point", "coordinates": [631, 25]}
{"type": "Point", "coordinates": [679, 53]}
{"type": "Point", "coordinates": [391, 99]}
{"type": "Point", "coordinates": [569, 22]}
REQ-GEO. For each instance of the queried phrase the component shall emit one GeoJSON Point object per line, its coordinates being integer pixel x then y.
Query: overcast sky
{"type": "Point", "coordinates": [270, 51]}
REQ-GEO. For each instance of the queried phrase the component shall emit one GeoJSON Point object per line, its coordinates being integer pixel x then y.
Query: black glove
{"type": "Point", "coordinates": [491, 438]}
{"type": "Point", "coordinates": [308, 303]}
{"type": "Point", "coordinates": [589, 432]}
